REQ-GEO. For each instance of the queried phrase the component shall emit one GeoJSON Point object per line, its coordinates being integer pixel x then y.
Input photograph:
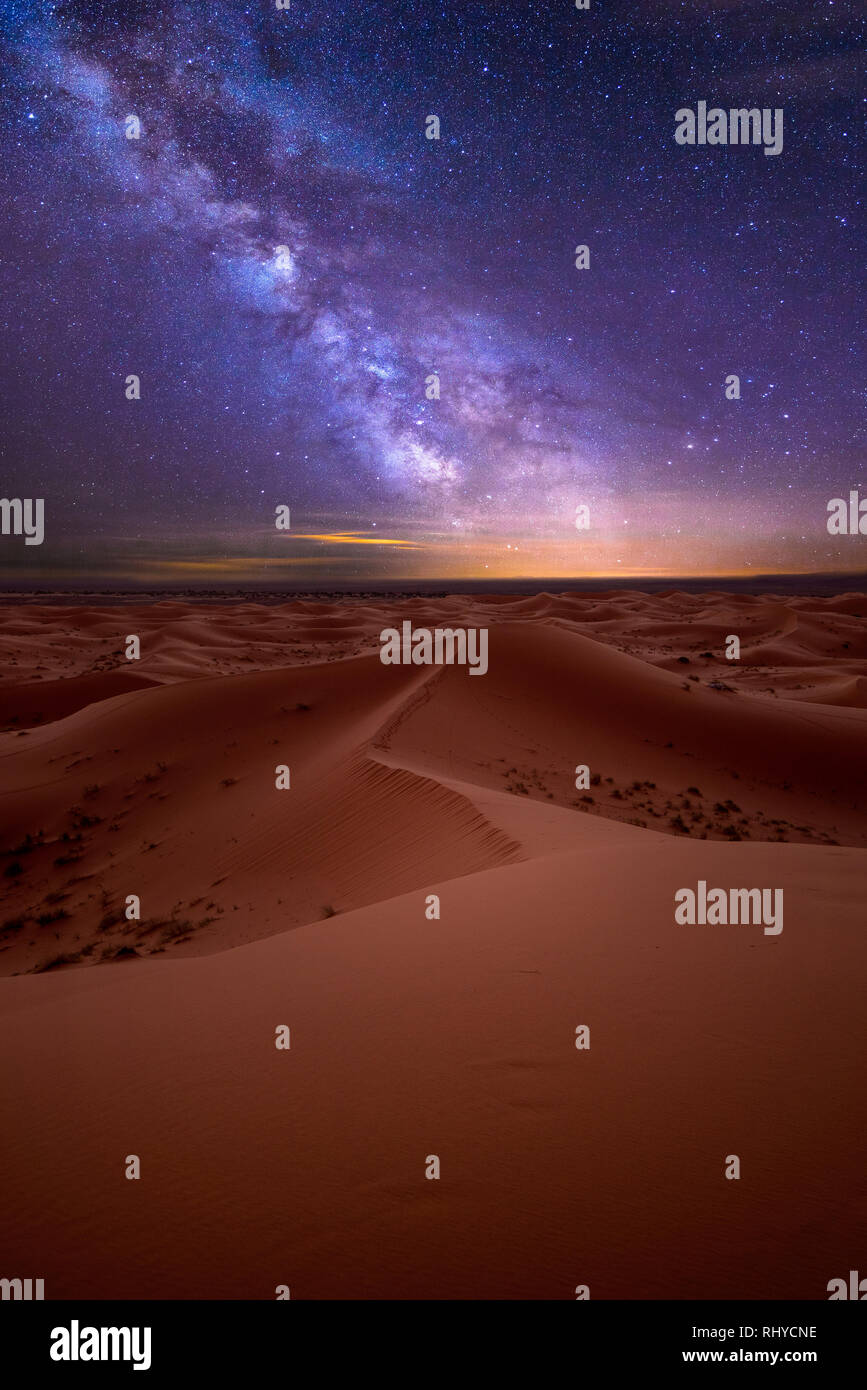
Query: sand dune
{"type": "Point", "coordinates": [44, 641]}
{"type": "Point", "coordinates": [456, 1038]}
{"type": "Point", "coordinates": [44, 702]}
{"type": "Point", "coordinates": [414, 1036]}
{"type": "Point", "coordinates": [553, 700]}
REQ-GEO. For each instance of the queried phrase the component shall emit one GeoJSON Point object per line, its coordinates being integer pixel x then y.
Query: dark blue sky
{"type": "Point", "coordinates": [305, 384]}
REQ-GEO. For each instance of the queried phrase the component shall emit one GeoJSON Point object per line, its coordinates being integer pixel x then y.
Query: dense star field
{"type": "Point", "coordinates": [284, 259]}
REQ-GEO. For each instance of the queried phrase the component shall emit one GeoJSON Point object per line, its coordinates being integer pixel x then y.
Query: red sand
{"type": "Point", "coordinates": [413, 1037]}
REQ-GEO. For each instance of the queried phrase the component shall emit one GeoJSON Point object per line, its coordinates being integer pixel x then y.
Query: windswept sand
{"type": "Point", "coordinates": [413, 1037]}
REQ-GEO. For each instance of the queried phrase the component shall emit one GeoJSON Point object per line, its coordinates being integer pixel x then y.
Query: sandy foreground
{"type": "Point", "coordinates": [413, 1037]}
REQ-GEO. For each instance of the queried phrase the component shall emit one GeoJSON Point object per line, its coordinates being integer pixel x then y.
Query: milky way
{"type": "Point", "coordinates": [285, 259]}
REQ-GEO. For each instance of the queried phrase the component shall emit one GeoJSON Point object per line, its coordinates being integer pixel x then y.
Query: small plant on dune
{"type": "Point", "coordinates": [55, 962]}
{"type": "Point", "coordinates": [28, 844]}
{"type": "Point", "coordinates": [154, 774]}
{"type": "Point", "coordinates": [169, 930]}
{"type": "Point", "coordinates": [329, 912]}
{"type": "Point", "coordinates": [13, 870]}
{"type": "Point", "coordinates": [122, 953]}
{"type": "Point", "coordinates": [177, 931]}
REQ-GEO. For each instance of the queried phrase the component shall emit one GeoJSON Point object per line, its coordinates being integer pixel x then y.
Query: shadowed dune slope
{"type": "Point", "coordinates": [556, 699]}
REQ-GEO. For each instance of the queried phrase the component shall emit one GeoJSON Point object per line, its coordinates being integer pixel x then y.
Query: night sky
{"type": "Point", "coordinates": [303, 383]}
